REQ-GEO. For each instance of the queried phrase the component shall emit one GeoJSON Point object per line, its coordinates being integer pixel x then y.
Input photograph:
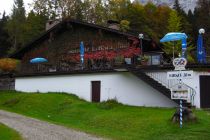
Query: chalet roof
{"type": "Point", "coordinates": [19, 53]}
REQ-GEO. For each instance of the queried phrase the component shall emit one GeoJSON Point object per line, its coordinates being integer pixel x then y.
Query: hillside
{"type": "Point", "coordinates": [108, 119]}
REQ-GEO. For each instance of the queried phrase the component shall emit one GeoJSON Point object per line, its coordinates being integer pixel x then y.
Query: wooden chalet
{"type": "Point", "coordinates": [105, 49]}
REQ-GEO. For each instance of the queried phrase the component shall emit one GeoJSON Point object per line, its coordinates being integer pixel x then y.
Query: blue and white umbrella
{"type": "Point", "coordinates": [173, 36]}
{"type": "Point", "coordinates": [38, 60]}
{"type": "Point", "coordinates": [82, 52]}
{"type": "Point", "coordinates": [201, 54]}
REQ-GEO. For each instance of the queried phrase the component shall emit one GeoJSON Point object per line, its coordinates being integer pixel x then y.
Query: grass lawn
{"type": "Point", "coordinates": [8, 133]}
{"type": "Point", "coordinates": [108, 120]}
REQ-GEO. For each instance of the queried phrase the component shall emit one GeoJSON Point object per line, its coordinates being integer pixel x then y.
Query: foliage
{"type": "Point", "coordinates": [174, 25]}
{"type": "Point", "coordinates": [8, 134]}
{"type": "Point", "coordinates": [34, 26]}
{"type": "Point", "coordinates": [8, 64]}
{"type": "Point", "coordinates": [109, 104]}
{"type": "Point", "coordinates": [174, 22]}
{"type": "Point", "coordinates": [154, 21]}
{"type": "Point", "coordinates": [149, 19]}
{"type": "Point", "coordinates": [4, 41]}
{"type": "Point", "coordinates": [15, 25]}
{"type": "Point", "coordinates": [119, 122]}
{"type": "Point", "coordinates": [124, 25]}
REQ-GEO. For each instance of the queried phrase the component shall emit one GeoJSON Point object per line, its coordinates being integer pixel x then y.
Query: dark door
{"type": "Point", "coordinates": [96, 91]}
{"type": "Point", "coordinates": [205, 91]}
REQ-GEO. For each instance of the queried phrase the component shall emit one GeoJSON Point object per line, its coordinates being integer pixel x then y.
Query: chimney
{"type": "Point", "coordinates": [52, 23]}
{"type": "Point", "coordinates": [113, 24]}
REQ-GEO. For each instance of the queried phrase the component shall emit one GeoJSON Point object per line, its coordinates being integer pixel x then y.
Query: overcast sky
{"type": "Point", "coordinates": [7, 5]}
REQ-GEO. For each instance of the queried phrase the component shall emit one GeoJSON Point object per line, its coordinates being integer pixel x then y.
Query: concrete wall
{"type": "Point", "coordinates": [124, 86]}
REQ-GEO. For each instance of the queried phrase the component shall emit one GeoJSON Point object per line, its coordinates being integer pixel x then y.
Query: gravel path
{"type": "Point", "coordinates": [33, 129]}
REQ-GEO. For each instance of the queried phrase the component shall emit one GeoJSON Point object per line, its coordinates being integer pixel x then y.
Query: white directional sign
{"type": "Point", "coordinates": [180, 75]}
{"type": "Point", "coordinates": [179, 94]}
{"type": "Point", "coordinates": [180, 91]}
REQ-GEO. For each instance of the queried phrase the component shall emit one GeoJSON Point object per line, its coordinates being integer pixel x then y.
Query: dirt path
{"type": "Point", "coordinates": [33, 129]}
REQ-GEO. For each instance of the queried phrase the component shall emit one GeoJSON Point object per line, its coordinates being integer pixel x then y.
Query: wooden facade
{"type": "Point", "coordinates": [105, 48]}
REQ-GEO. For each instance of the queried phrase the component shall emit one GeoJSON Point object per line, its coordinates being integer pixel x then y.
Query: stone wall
{"type": "Point", "coordinates": [7, 83]}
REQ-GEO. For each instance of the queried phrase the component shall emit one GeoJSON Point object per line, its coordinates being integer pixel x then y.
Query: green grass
{"type": "Point", "coordinates": [110, 120]}
{"type": "Point", "coordinates": [8, 133]}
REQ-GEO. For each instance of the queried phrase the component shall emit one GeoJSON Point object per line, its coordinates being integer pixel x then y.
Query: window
{"type": "Point", "coordinates": [155, 59]}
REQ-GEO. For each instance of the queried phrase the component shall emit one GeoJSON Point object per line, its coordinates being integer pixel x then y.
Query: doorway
{"type": "Point", "coordinates": [96, 91]}
{"type": "Point", "coordinates": [204, 91]}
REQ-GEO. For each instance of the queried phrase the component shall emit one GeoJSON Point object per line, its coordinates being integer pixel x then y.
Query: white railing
{"type": "Point", "coordinates": [161, 77]}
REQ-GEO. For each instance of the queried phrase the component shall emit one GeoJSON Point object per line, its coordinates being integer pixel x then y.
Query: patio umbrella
{"type": "Point", "coordinates": [82, 52]}
{"type": "Point", "coordinates": [201, 54]}
{"type": "Point", "coordinates": [38, 60]}
{"type": "Point", "coordinates": [175, 36]}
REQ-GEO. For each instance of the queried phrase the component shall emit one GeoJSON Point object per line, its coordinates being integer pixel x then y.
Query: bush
{"type": "Point", "coordinates": [8, 64]}
{"type": "Point", "coordinates": [109, 104]}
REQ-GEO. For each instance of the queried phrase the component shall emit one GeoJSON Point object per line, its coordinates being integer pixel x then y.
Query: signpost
{"type": "Point", "coordinates": [179, 91]}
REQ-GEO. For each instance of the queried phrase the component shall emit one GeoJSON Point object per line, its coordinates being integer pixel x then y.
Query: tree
{"type": "Point", "coordinates": [124, 25]}
{"type": "Point", "coordinates": [178, 8]}
{"type": "Point", "coordinates": [118, 9]}
{"type": "Point", "coordinates": [16, 24]}
{"type": "Point", "coordinates": [94, 11]}
{"type": "Point", "coordinates": [48, 8]}
{"type": "Point", "coordinates": [161, 17]}
{"type": "Point", "coordinates": [175, 25]}
{"type": "Point", "coordinates": [136, 16]}
{"type": "Point", "coordinates": [156, 19]}
{"type": "Point", "coordinates": [4, 41]}
{"type": "Point", "coordinates": [186, 25]}
{"type": "Point", "coordinates": [34, 26]}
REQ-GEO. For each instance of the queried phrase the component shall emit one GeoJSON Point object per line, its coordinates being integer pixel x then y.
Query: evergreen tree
{"type": "Point", "coordinates": [136, 17]}
{"type": "Point", "coordinates": [16, 24]}
{"type": "Point", "coordinates": [4, 42]}
{"type": "Point", "coordinates": [35, 25]}
{"type": "Point", "coordinates": [178, 8]}
{"type": "Point", "coordinates": [186, 25]}
{"type": "Point", "coordinates": [175, 25]}
{"type": "Point", "coordinates": [48, 8]}
{"type": "Point", "coordinates": [192, 20]}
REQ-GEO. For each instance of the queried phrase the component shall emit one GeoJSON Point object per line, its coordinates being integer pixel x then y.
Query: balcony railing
{"type": "Point", "coordinates": [67, 67]}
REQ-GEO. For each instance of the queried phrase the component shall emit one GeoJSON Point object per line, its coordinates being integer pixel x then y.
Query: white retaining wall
{"type": "Point", "coordinates": [126, 87]}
